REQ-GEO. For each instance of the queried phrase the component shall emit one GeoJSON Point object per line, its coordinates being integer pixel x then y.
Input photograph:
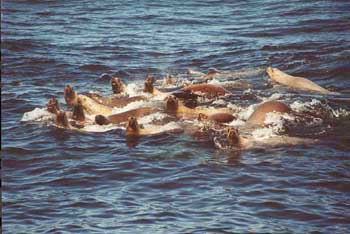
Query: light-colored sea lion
{"type": "Point", "coordinates": [259, 115]}
{"type": "Point", "coordinates": [295, 82]}
{"type": "Point", "coordinates": [124, 116]}
{"type": "Point", "coordinates": [117, 85]}
{"type": "Point", "coordinates": [134, 129]}
{"type": "Point", "coordinates": [207, 90]}
{"type": "Point", "coordinates": [235, 140]}
{"type": "Point", "coordinates": [216, 118]}
{"type": "Point", "coordinates": [90, 106]}
{"type": "Point", "coordinates": [176, 107]}
{"type": "Point", "coordinates": [115, 101]}
{"type": "Point", "coordinates": [168, 80]}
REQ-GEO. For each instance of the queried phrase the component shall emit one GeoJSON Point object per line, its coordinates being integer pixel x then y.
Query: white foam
{"type": "Point", "coordinates": [152, 117]}
{"type": "Point", "coordinates": [38, 114]}
{"type": "Point", "coordinates": [133, 89]}
{"type": "Point", "coordinates": [171, 126]}
{"type": "Point", "coordinates": [132, 106]}
{"type": "Point", "coordinates": [100, 128]}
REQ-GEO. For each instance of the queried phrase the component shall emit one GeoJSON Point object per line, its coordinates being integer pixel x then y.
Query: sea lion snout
{"type": "Point", "coordinates": [232, 136]}
{"type": "Point", "coordinates": [171, 104]}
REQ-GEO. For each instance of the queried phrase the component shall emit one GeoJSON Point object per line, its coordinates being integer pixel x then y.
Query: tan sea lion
{"type": "Point", "coordinates": [124, 116]}
{"type": "Point", "coordinates": [295, 82]}
{"type": "Point", "coordinates": [176, 107]}
{"type": "Point", "coordinates": [216, 118]}
{"type": "Point", "coordinates": [207, 90]}
{"type": "Point", "coordinates": [115, 101]}
{"type": "Point", "coordinates": [134, 129]}
{"type": "Point", "coordinates": [259, 115]}
{"type": "Point", "coordinates": [91, 107]}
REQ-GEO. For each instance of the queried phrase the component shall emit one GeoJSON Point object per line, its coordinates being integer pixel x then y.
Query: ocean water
{"type": "Point", "coordinates": [95, 181]}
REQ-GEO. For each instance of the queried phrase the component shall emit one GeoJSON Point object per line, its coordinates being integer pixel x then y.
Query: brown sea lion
{"type": "Point", "coordinates": [216, 118]}
{"type": "Point", "coordinates": [52, 106]}
{"type": "Point", "coordinates": [70, 95]}
{"type": "Point", "coordinates": [134, 129]}
{"type": "Point", "coordinates": [207, 90]}
{"type": "Point", "coordinates": [124, 116]}
{"type": "Point", "coordinates": [176, 107]}
{"type": "Point", "coordinates": [90, 106]}
{"type": "Point", "coordinates": [235, 140]}
{"type": "Point", "coordinates": [61, 120]}
{"type": "Point", "coordinates": [115, 101]}
{"type": "Point", "coordinates": [259, 115]}
{"type": "Point", "coordinates": [117, 85]}
{"type": "Point", "coordinates": [295, 82]}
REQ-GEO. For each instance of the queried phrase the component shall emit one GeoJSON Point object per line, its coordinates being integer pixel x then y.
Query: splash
{"type": "Point", "coordinates": [38, 114]}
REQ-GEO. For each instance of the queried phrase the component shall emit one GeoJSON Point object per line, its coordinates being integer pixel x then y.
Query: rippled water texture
{"type": "Point", "coordinates": [62, 181]}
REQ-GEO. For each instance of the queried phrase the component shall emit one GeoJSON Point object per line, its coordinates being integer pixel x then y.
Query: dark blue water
{"type": "Point", "coordinates": [62, 181]}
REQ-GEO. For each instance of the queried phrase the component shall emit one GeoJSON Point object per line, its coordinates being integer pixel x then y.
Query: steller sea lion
{"type": "Point", "coordinates": [115, 101]}
{"type": "Point", "coordinates": [207, 90]}
{"type": "Point", "coordinates": [52, 106]}
{"type": "Point", "coordinates": [216, 118]}
{"type": "Point", "coordinates": [117, 85]}
{"type": "Point", "coordinates": [134, 129]}
{"type": "Point", "coordinates": [124, 116]}
{"type": "Point", "coordinates": [90, 106]}
{"type": "Point", "coordinates": [235, 140]}
{"type": "Point", "coordinates": [295, 82]}
{"type": "Point", "coordinates": [176, 107]}
{"type": "Point", "coordinates": [61, 120]}
{"type": "Point", "coordinates": [259, 115]}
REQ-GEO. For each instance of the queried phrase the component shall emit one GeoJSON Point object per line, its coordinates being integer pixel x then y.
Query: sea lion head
{"type": "Point", "coordinates": [101, 120]}
{"type": "Point", "coordinates": [148, 87]}
{"type": "Point", "coordinates": [172, 104]}
{"type": "Point", "coordinates": [62, 119]}
{"type": "Point", "coordinates": [150, 78]}
{"type": "Point", "coordinates": [232, 136]}
{"type": "Point", "coordinates": [52, 106]}
{"type": "Point", "coordinates": [202, 117]}
{"type": "Point", "coordinates": [78, 111]}
{"type": "Point", "coordinates": [132, 125]}
{"type": "Point", "coordinates": [117, 85]}
{"type": "Point", "coordinates": [69, 95]}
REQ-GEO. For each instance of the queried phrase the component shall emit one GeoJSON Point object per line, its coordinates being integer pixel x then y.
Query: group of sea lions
{"type": "Point", "coordinates": [180, 104]}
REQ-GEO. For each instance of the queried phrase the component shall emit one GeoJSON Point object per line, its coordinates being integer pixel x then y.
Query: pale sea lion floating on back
{"type": "Point", "coordinates": [295, 82]}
